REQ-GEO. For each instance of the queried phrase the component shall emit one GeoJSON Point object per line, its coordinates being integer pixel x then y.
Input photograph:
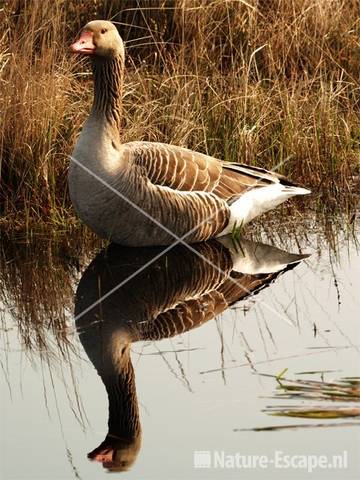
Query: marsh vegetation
{"type": "Point", "coordinates": [269, 83]}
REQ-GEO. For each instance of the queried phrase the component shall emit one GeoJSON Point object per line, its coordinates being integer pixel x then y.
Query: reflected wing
{"type": "Point", "coordinates": [184, 317]}
{"type": "Point", "coordinates": [239, 286]}
{"type": "Point", "coordinates": [193, 313]}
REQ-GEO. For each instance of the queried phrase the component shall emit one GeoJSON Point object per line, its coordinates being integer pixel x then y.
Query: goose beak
{"type": "Point", "coordinates": [84, 44]}
{"type": "Point", "coordinates": [104, 454]}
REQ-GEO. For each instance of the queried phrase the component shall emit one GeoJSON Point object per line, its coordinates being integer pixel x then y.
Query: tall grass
{"type": "Point", "coordinates": [261, 82]}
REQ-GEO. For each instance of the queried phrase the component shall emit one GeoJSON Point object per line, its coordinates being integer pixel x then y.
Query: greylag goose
{"type": "Point", "coordinates": [177, 292]}
{"type": "Point", "coordinates": [147, 193]}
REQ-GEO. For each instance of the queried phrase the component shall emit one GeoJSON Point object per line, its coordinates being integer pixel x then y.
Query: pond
{"type": "Point", "coordinates": [167, 363]}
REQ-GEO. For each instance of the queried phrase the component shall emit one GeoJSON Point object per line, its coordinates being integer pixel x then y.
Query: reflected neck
{"type": "Point", "coordinates": [108, 87]}
{"type": "Point", "coordinates": [124, 419]}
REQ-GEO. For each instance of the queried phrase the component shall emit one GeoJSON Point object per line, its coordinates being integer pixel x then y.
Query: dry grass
{"type": "Point", "coordinates": [260, 82]}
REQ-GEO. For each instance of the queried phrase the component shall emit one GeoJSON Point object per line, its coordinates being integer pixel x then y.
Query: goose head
{"type": "Point", "coordinates": [116, 454]}
{"type": "Point", "coordinates": [101, 39]}
{"type": "Point", "coordinates": [108, 348]}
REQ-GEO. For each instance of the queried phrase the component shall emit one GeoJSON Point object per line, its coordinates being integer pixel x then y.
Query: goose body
{"type": "Point", "coordinates": [148, 193]}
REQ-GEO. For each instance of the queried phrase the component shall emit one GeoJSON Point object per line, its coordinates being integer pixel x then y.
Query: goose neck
{"type": "Point", "coordinates": [108, 87]}
{"type": "Point", "coordinates": [124, 419]}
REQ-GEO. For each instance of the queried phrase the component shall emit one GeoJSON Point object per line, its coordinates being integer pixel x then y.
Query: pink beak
{"type": "Point", "coordinates": [102, 454]}
{"type": "Point", "coordinates": [84, 44]}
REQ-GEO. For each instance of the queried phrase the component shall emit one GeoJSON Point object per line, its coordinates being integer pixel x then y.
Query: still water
{"type": "Point", "coordinates": [131, 360]}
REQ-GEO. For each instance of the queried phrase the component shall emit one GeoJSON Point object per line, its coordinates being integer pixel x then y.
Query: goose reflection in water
{"type": "Point", "coordinates": [175, 293]}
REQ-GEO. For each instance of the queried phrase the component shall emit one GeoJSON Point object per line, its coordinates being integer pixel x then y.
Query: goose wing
{"type": "Point", "coordinates": [185, 316]}
{"type": "Point", "coordinates": [237, 178]}
{"type": "Point", "coordinates": [181, 169]}
{"type": "Point", "coordinates": [239, 286]}
{"type": "Point", "coordinates": [177, 167]}
{"type": "Point", "coordinates": [192, 313]}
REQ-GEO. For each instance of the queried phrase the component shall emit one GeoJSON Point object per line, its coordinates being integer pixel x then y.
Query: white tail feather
{"type": "Point", "coordinates": [256, 258]}
{"type": "Point", "coordinates": [258, 201]}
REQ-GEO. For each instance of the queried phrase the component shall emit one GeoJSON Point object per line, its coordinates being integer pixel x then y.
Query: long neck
{"type": "Point", "coordinates": [108, 86]}
{"type": "Point", "coordinates": [124, 419]}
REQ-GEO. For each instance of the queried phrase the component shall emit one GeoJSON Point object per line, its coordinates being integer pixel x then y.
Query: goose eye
{"type": "Point", "coordinates": [103, 30]}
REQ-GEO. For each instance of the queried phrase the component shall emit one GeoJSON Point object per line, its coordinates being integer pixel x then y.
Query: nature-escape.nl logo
{"type": "Point", "coordinates": [221, 459]}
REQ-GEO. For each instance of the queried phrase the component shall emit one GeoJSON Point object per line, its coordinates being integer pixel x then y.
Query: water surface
{"type": "Point", "coordinates": [187, 358]}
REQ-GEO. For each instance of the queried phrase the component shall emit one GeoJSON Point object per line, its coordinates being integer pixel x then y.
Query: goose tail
{"type": "Point", "coordinates": [254, 258]}
{"type": "Point", "coordinates": [257, 201]}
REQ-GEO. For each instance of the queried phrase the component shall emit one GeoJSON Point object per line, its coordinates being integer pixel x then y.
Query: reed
{"type": "Point", "coordinates": [271, 83]}
{"type": "Point", "coordinates": [334, 403]}
{"type": "Point", "coordinates": [320, 399]}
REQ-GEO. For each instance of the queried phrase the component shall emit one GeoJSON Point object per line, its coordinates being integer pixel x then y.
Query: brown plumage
{"type": "Point", "coordinates": [186, 170]}
{"type": "Point", "coordinates": [147, 193]}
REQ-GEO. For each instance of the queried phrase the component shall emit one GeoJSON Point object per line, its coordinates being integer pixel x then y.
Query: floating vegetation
{"type": "Point", "coordinates": [339, 393]}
